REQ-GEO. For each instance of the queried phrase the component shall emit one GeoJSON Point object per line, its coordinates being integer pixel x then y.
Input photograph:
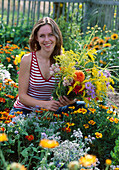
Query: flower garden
{"type": "Point", "coordinates": [87, 138]}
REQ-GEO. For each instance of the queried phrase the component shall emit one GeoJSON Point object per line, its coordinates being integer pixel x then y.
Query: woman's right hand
{"type": "Point", "coordinates": [52, 105]}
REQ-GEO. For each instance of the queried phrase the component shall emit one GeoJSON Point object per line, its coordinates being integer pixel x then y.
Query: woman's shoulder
{"type": "Point", "coordinates": [26, 58]}
{"type": "Point", "coordinates": [26, 61]}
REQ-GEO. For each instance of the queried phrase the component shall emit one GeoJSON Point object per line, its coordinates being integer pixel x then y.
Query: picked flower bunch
{"type": "Point", "coordinates": [80, 77]}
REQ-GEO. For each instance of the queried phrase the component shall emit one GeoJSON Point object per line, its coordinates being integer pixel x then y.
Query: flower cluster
{"type": "Point", "coordinates": [80, 77]}
{"type": "Point", "coordinates": [10, 59]}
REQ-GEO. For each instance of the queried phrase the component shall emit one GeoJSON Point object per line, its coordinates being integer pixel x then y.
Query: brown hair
{"type": "Point", "coordinates": [33, 43]}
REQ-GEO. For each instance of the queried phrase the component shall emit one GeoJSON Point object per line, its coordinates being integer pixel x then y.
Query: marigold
{"type": "Point", "coordinates": [98, 135]}
{"type": "Point", "coordinates": [88, 160]}
{"type": "Point", "coordinates": [46, 143]}
{"type": "Point", "coordinates": [79, 76]}
{"type": "Point", "coordinates": [3, 137]}
{"type": "Point", "coordinates": [29, 137]}
{"type": "Point", "coordinates": [2, 129]}
{"type": "Point", "coordinates": [91, 122]}
{"type": "Point", "coordinates": [108, 161]}
{"type": "Point", "coordinates": [86, 126]}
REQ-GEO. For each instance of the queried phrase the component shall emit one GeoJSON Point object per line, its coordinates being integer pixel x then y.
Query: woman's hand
{"type": "Point", "coordinates": [51, 105]}
{"type": "Point", "coordinates": [65, 101]}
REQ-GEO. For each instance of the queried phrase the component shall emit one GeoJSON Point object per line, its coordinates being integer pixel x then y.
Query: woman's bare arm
{"type": "Point", "coordinates": [23, 87]}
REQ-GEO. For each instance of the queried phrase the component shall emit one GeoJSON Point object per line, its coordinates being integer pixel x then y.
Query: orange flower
{"type": "Point", "coordinates": [86, 126]}
{"type": "Point", "coordinates": [2, 129]}
{"type": "Point", "coordinates": [46, 143]}
{"type": "Point", "coordinates": [114, 36]}
{"type": "Point", "coordinates": [7, 121]}
{"type": "Point", "coordinates": [91, 122]}
{"type": "Point", "coordinates": [3, 137]}
{"type": "Point", "coordinates": [92, 110]}
{"type": "Point", "coordinates": [108, 161]}
{"type": "Point", "coordinates": [79, 76]}
{"type": "Point", "coordinates": [102, 62]}
{"type": "Point", "coordinates": [98, 135]}
{"type": "Point", "coordinates": [88, 160]}
{"type": "Point", "coordinates": [2, 100]}
{"type": "Point", "coordinates": [29, 137]}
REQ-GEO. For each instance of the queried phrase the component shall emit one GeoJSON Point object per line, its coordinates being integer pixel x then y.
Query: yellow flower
{"type": "Point", "coordinates": [3, 137]}
{"type": "Point", "coordinates": [88, 160]}
{"type": "Point", "coordinates": [86, 126]}
{"type": "Point", "coordinates": [115, 15]}
{"type": "Point", "coordinates": [70, 124]}
{"type": "Point", "coordinates": [80, 5]}
{"type": "Point", "coordinates": [61, 5]}
{"type": "Point", "coordinates": [108, 161]}
{"type": "Point", "coordinates": [109, 111]}
{"type": "Point", "coordinates": [92, 122]}
{"type": "Point", "coordinates": [116, 120]}
{"type": "Point", "coordinates": [98, 135]}
{"type": "Point", "coordinates": [71, 107]}
{"type": "Point", "coordinates": [106, 45]}
{"type": "Point", "coordinates": [114, 36]}
{"type": "Point", "coordinates": [92, 110]}
{"type": "Point", "coordinates": [84, 111]}
{"type": "Point", "coordinates": [104, 27]}
{"type": "Point", "coordinates": [46, 143]}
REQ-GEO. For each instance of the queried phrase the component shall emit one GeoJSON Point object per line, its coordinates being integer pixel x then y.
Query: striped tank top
{"type": "Point", "coordinates": [39, 87]}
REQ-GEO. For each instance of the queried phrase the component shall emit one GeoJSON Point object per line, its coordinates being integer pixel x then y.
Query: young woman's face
{"type": "Point", "coordinates": [46, 38]}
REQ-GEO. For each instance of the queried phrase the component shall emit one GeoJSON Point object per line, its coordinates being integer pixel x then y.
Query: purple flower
{"type": "Point", "coordinates": [107, 73]}
{"type": "Point", "coordinates": [93, 95]}
{"type": "Point", "coordinates": [16, 132]}
{"type": "Point", "coordinates": [88, 85]}
{"type": "Point", "coordinates": [43, 136]}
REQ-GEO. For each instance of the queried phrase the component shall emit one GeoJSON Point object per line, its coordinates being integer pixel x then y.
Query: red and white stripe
{"type": "Point", "coordinates": [39, 87]}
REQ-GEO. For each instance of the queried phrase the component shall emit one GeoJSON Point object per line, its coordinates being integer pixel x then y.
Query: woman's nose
{"type": "Point", "coordinates": [46, 38]}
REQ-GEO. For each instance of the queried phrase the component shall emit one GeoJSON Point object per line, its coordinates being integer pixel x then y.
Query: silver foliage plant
{"type": "Point", "coordinates": [68, 151]}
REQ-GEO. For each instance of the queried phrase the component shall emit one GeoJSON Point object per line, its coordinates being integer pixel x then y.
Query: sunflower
{"type": "Point", "coordinates": [107, 39]}
{"type": "Point", "coordinates": [94, 39]}
{"type": "Point", "coordinates": [106, 45]}
{"type": "Point", "coordinates": [114, 36]}
{"type": "Point", "coordinates": [90, 46]}
{"type": "Point", "coordinates": [97, 47]}
{"type": "Point", "coordinates": [100, 42]}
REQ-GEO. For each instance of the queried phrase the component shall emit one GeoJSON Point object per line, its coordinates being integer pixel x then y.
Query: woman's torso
{"type": "Point", "coordinates": [39, 87]}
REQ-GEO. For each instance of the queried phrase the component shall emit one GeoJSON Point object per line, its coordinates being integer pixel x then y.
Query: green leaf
{"type": "Point", "coordinates": [25, 152]}
{"type": "Point", "coordinates": [34, 149]}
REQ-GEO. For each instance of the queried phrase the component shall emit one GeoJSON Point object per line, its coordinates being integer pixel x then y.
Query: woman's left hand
{"type": "Point", "coordinates": [65, 101]}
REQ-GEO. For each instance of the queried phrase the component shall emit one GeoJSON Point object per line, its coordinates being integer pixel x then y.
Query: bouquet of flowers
{"type": "Point", "coordinates": [80, 77]}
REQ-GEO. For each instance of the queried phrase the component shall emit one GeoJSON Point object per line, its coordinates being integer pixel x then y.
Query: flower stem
{"type": "Point", "coordinates": [3, 159]}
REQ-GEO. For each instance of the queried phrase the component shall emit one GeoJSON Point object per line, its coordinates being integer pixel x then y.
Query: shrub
{"type": "Point", "coordinates": [115, 153]}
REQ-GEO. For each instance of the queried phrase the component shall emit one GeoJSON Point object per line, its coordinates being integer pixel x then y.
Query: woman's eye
{"type": "Point", "coordinates": [41, 35]}
{"type": "Point", "coordinates": [51, 34]}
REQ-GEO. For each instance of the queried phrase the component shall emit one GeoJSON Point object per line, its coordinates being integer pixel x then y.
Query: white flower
{"type": "Point", "coordinates": [4, 74]}
{"type": "Point", "coordinates": [10, 66]}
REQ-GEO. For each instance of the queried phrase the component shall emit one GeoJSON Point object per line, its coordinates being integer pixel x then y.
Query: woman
{"type": "Point", "coordinates": [35, 82]}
